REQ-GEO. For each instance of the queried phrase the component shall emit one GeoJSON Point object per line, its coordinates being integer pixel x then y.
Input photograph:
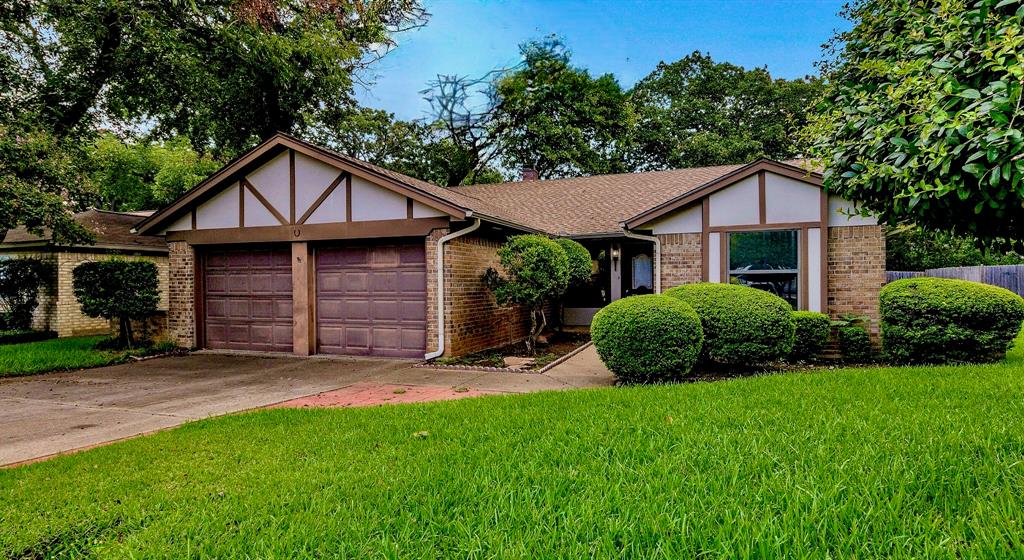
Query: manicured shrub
{"type": "Point", "coordinates": [855, 344]}
{"type": "Point", "coordinates": [117, 289]}
{"type": "Point", "coordinates": [579, 261]}
{"type": "Point", "coordinates": [811, 334]}
{"type": "Point", "coordinates": [536, 271]}
{"type": "Point", "coordinates": [742, 325]}
{"type": "Point", "coordinates": [650, 338]}
{"type": "Point", "coordinates": [940, 320]}
{"type": "Point", "coordinates": [21, 281]}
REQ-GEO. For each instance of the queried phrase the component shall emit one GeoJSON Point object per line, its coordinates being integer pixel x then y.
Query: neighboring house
{"type": "Point", "coordinates": [58, 309]}
{"type": "Point", "coordinates": [296, 248]}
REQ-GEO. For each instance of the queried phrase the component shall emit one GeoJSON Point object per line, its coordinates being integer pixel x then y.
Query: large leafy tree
{"type": "Point", "coordinates": [223, 73]}
{"type": "Point", "coordinates": [921, 118]}
{"type": "Point", "coordinates": [144, 175]}
{"type": "Point", "coordinates": [556, 118]}
{"type": "Point", "coordinates": [543, 114]}
{"type": "Point", "coordinates": [696, 112]}
{"type": "Point", "coordinates": [421, 150]}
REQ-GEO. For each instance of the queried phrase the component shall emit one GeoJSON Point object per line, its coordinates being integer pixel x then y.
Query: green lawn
{"type": "Point", "coordinates": [54, 354]}
{"type": "Point", "coordinates": [855, 463]}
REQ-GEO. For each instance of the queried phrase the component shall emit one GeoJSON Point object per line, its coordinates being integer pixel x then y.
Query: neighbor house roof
{"type": "Point", "coordinates": [112, 230]}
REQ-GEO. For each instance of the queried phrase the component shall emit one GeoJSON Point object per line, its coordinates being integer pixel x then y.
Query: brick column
{"type": "Point", "coordinates": [856, 273]}
{"type": "Point", "coordinates": [431, 255]}
{"type": "Point", "coordinates": [681, 259]}
{"type": "Point", "coordinates": [181, 292]}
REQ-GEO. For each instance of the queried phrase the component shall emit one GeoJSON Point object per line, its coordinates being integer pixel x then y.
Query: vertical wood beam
{"type": "Point", "coordinates": [348, 197]}
{"type": "Point", "coordinates": [291, 186]}
{"type": "Point", "coordinates": [824, 251]}
{"type": "Point", "coordinates": [303, 337]}
{"type": "Point", "coordinates": [762, 204]}
{"type": "Point", "coordinates": [803, 271]}
{"type": "Point", "coordinates": [705, 238]}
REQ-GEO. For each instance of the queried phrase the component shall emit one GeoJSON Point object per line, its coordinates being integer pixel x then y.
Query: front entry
{"type": "Point", "coordinates": [247, 302]}
{"type": "Point", "coordinates": [371, 299]}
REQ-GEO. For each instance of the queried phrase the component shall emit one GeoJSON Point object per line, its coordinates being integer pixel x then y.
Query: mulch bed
{"type": "Point", "coordinates": [557, 344]}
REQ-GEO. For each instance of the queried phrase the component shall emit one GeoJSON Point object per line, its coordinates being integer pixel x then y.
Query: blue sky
{"type": "Point", "coordinates": [624, 37]}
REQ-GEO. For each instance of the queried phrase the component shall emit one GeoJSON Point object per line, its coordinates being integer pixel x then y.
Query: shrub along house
{"type": "Point", "coordinates": [296, 248]}
{"type": "Point", "coordinates": [58, 308]}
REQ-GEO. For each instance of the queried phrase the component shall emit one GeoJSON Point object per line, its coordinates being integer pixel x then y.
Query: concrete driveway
{"type": "Point", "coordinates": [48, 414]}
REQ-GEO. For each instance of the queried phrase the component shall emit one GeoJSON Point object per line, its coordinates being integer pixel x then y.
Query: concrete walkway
{"type": "Point", "coordinates": [45, 415]}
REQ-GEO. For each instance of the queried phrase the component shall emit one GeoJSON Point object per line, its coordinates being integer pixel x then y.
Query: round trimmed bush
{"type": "Point", "coordinates": [742, 325]}
{"type": "Point", "coordinates": [811, 334]}
{"type": "Point", "coordinates": [579, 261]}
{"type": "Point", "coordinates": [940, 320]}
{"type": "Point", "coordinates": [644, 339]}
{"type": "Point", "coordinates": [855, 344]}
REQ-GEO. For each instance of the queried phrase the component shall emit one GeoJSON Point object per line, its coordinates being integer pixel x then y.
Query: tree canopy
{"type": "Point", "coordinates": [697, 112]}
{"type": "Point", "coordinates": [921, 117]}
{"type": "Point", "coordinates": [222, 73]}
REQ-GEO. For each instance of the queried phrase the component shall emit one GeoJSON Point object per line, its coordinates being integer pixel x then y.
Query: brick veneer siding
{"type": "Point", "coordinates": [681, 259]}
{"type": "Point", "coordinates": [181, 323]}
{"type": "Point", "coordinates": [59, 309]}
{"type": "Point", "coordinates": [431, 254]}
{"type": "Point", "coordinates": [856, 273]}
{"type": "Point", "coordinates": [473, 321]}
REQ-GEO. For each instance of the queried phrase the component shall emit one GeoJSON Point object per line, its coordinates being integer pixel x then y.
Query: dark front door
{"type": "Point", "coordinates": [248, 299]}
{"type": "Point", "coordinates": [371, 300]}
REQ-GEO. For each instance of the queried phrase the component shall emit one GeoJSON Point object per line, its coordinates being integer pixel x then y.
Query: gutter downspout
{"type": "Point", "coordinates": [439, 271]}
{"type": "Point", "coordinates": [657, 255]}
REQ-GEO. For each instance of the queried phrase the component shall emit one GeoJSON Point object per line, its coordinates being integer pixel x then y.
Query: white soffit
{"type": "Point", "coordinates": [841, 213]}
{"type": "Point", "coordinates": [273, 181]}
{"type": "Point", "coordinates": [788, 200]}
{"type": "Point", "coordinates": [686, 220]}
{"type": "Point", "coordinates": [736, 204]}
{"type": "Point", "coordinates": [221, 211]}
{"type": "Point", "coordinates": [373, 202]}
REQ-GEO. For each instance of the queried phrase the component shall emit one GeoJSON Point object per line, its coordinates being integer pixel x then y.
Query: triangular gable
{"type": "Point", "coordinates": [268, 175]}
{"type": "Point", "coordinates": [727, 180]}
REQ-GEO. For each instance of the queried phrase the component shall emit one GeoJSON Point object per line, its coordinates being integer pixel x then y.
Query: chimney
{"type": "Point", "coordinates": [530, 174]}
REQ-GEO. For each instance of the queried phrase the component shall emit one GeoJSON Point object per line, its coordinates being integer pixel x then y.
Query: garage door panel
{"type": "Point", "coordinates": [371, 300]}
{"type": "Point", "coordinates": [248, 299]}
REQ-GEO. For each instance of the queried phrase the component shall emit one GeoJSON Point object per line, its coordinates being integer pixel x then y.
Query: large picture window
{"type": "Point", "coordinates": [766, 260]}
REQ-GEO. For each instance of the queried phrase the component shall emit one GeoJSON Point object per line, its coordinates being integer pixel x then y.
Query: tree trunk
{"type": "Point", "coordinates": [531, 344]}
{"type": "Point", "coordinates": [126, 332]}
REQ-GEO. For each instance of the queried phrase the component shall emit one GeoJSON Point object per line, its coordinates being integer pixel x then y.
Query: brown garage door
{"type": "Point", "coordinates": [248, 299]}
{"type": "Point", "coordinates": [372, 300]}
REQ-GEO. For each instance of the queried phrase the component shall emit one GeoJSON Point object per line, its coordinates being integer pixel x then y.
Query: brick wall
{"type": "Point", "coordinates": [473, 321]}
{"type": "Point", "coordinates": [681, 259]}
{"type": "Point", "coordinates": [69, 320]}
{"type": "Point", "coordinates": [856, 273]}
{"type": "Point", "coordinates": [59, 309]}
{"type": "Point", "coordinates": [181, 324]}
{"type": "Point", "coordinates": [431, 254]}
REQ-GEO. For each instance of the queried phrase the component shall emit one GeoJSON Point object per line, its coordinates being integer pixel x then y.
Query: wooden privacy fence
{"type": "Point", "coordinates": [1010, 276]}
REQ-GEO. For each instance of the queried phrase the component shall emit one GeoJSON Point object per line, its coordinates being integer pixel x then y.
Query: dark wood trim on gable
{"type": "Point", "coordinates": [762, 198]}
{"type": "Point", "coordinates": [408, 207]}
{"type": "Point", "coordinates": [266, 203]}
{"type": "Point", "coordinates": [720, 183]}
{"type": "Point", "coordinates": [241, 205]}
{"type": "Point", "coordinates": [311, 232]}
{"type": "Point", "coordinates": [291, 186]}
{"type": "Point", "coordinates": [348, 197]}
{"type": "Point", "coordinates": [272, 148]}
{"type": "Point", "coordinates": [193, 218]}
{"type": "Point", "coordinates": [323, 196]}
{"type": "Point", "coordinates": [705, 238]}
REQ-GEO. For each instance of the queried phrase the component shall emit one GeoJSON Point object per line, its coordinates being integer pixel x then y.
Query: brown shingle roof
{"type": "Point", "coordinates": [589, 205]}
{"type": "Point", "coordinates": [111, 229]}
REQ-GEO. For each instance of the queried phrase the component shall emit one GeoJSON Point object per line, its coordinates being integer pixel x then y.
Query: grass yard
{"type": "Point", "coordinates": [855, 463]}
{"type": "Point", "coordinates": [53, 355]}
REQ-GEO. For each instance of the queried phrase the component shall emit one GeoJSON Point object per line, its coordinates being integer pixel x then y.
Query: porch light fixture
{"type": "Point", "coordinates": [615, 253]}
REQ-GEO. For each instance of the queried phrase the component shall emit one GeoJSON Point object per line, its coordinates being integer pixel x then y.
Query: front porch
{"type": "Point", "coordinates": [621, 267]}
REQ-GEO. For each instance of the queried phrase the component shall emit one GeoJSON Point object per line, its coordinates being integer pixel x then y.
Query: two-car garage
{"type": "Point", "coordinates": [370, 299]}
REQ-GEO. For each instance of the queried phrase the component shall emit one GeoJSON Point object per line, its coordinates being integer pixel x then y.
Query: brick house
{"type": "Point", "coordinates": [296, 248]}
{"type": "Point", "coordinates": [58, 309]}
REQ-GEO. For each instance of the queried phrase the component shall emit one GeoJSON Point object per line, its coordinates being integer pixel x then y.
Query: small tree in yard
{"type": "Point", "coordinates": [536, 271]}
{"type": "Point", "coordinates": [20, 282]}
{"type": "Point", "coordinates": [117, 289]}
